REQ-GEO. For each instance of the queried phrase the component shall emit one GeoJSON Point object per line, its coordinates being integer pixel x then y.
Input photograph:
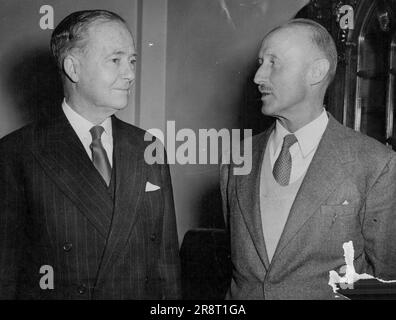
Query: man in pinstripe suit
{"type": "Point", "coordinates": [76, 193]}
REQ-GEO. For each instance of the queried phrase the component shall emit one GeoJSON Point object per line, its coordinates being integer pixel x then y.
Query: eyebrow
{"type": "Point", "coordinates": [120, 52]}
{"type": "Point", "coordinates": [270, 55]}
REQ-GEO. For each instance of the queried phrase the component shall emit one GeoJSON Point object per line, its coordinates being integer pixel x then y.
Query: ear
{"type": "Point", "coordinates": [318, 71]}
{"type": "Point", "coordinates": [71, 67]}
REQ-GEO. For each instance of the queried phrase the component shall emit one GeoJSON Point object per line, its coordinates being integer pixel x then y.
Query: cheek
{"type": "Point", "coordinates": [101, 76]}
{"type": "Point", "coordinates": [293, 83]}
{"type": "Point", "coordinates": [91, 77]}
{"type": "Point", "coordinates": [109, 77]}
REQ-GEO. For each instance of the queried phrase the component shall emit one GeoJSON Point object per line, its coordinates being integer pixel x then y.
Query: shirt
{"type": "Point", "coordinates": [82, 126]}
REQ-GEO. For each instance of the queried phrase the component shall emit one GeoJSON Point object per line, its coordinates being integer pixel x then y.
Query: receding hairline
{"type": "Point", "coordinates": [302, 30]}
{"type": "Point", "coordinates": [307, 24]}
{"type": "Point", "coordinates": [90, 29]}
{"type": "Point", "coordinates": [317, 35]}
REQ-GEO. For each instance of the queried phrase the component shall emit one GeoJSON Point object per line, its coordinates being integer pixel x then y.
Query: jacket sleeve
{"type": "Point", "coordinates": [169, 259]}
{"type": "Point", "coordinates": [12, 208]}
{"type": "Point", "coordinates": [379, 226]}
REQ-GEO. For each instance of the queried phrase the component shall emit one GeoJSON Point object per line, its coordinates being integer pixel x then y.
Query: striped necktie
{"type": "Point", "coordinates": [99, 155]}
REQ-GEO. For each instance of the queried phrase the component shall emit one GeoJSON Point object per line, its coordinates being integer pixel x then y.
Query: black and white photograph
{"type": "Point", "coordinates": [196, 155]}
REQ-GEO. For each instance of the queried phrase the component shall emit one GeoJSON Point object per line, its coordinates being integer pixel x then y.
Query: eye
{"type": "Point", "coordinates": [115, 60]}
{"type": "Point", "coordinates": [132, 61]}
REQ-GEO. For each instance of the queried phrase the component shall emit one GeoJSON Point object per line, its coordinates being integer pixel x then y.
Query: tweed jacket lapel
{"type": "Point", "coordinates": [62, 156]}
{"type": "Point", "coordinates": [323, 176]}
{"type": "Point", "coordinates": [248, 194]}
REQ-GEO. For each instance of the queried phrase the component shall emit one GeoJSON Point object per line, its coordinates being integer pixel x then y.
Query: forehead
{"type": "Point", "coordinates": [287, 39]}
{"type": "Point", "coordinates": [110, 36]}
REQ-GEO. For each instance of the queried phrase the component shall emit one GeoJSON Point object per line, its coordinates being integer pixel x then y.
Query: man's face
{"type": "Point", "coordinates": [107, 66]}
{"type": "Point", "coordinates": [284, 59]}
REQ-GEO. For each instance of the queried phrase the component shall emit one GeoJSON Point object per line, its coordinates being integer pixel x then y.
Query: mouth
{"type": "Point", "coordinates": [265, 91]}
{"type": "Point", "coordinates": [127, 90]}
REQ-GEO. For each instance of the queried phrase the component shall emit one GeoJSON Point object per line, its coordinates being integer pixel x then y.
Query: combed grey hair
{"type": "Point", "coordinates": [71, 32]}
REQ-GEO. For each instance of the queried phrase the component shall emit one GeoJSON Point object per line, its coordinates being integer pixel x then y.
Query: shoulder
{"type": "Point", "coordinates": [138, 135]}
{"type": "Point", "coordinates": [369, 152]}
{"type": "Point", "coordinates": [17, 140]}
{"type": "Point", "coordinates": [366, 146]}
{"type": "Point", "coordinates": [129, 128]}
{"type": "Point", "coordinates": [134, 136]}
{"type": "Point", "coordinates": [14, 149]}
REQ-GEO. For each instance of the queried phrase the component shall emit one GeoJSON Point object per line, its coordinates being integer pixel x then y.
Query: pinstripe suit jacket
{"type": "Point", "coordinates": [348, 194]}
{"type": "Point", "coordinates": [56, 210]}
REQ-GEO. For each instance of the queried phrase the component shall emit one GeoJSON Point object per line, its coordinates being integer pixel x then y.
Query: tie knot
{"type": "Point", "coordinates": [289, 140]}
{"type": "Point", "coordinates": [96, 132]}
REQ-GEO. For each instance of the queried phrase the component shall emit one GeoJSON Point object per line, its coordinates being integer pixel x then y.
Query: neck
{"type": "Point", "coordinates": [303, 113]}
{"type": "Point", "coordinates": [296, 122]}
{"type": "Point", "coordinates": [93, 114]}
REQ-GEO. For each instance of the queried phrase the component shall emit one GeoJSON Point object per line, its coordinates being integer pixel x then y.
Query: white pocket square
{"type": "Point", "coordinates": [151, 187]}
{"type": "Point", "coordinates": [345, 203]}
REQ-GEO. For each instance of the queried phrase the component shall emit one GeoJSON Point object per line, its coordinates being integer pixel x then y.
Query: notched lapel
{"type": "Point", "coordinates": [248, 194]}
{"type": "Point", "coordinates": [323, 176]}
{"type": "Point", "coordinates": [64, 159]}
{"type": "Point", "coordinates": [130, 185]}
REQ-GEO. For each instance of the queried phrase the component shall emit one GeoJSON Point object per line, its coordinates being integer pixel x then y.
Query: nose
{"type": "Point", "coordinates": [128, 72]}
{"type": "Point", "coordinates": [262, 74]}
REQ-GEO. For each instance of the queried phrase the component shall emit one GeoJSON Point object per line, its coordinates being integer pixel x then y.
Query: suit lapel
{"type": "Point", "coordinates": [129, 188]}
{"type": "Point", "coordinates": [323, 176]}
{"type": "Point", "coordinates": [63, 157]}
{"type": "Point", "coordinates": [248, 194]}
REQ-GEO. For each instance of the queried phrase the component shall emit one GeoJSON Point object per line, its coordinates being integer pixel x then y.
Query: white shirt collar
{"type": "Point", "coordinates": [308, 137]}
{"type": "Point", "coordinates": [81, 125]}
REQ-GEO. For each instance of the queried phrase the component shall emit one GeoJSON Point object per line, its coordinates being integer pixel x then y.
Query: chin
{"type": "Point", "coordinates": [120, 104]}
{"type": "Point", "coordinates": [267, 110]}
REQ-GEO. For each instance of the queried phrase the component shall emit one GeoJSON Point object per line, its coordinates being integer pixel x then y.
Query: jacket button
{"type": "Point", "coordinates": [67, 246]}
{"type": "Point", "coordinates": [153, 237]}
{"type": "Point", "coordinates": [82, 289]}
{"type": "Point", "coordinates": [146, 279]}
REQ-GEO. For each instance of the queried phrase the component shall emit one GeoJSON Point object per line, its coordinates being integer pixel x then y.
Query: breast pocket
{"type": "Point", "coordinates": [340, 224]}
{"type": "Point", "coordinates": [338, 211]}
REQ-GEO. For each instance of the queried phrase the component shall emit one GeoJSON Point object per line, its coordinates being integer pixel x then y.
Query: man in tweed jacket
{"type": "Point", "coordinates": [289, 218]}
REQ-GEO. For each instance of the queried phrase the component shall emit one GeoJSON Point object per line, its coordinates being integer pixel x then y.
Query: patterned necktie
{"type": "Point", "coordinates": [283, 165]}
{"type": "Point", "coordinates": [99, 155]}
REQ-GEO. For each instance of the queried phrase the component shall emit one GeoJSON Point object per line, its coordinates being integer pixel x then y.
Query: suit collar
{"type": "Point", "coordinates": [308, 137]}
{"type": "Point", "coordinates": [81, 125]}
